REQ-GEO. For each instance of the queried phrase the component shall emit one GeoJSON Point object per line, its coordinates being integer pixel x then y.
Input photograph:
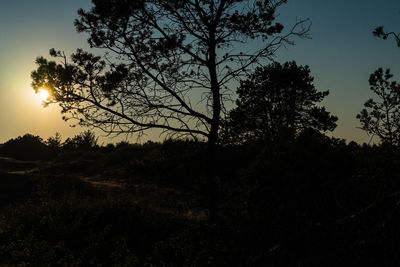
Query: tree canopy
{"type": "Point", "coordinates": [277, 99]}
{"type": "Point", "coordinates": [381, 116]}
{"type": "Point", "coordinates": [26, 147]}
{"type": "Point", "coordinates": [169, 65]}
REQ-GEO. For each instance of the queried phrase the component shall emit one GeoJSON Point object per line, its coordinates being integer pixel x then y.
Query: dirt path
{"type": "Point", "coordinates": [104, 185]}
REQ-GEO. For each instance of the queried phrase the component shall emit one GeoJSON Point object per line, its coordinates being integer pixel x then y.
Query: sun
{"type": "Point", "coordinates": [43, 94]}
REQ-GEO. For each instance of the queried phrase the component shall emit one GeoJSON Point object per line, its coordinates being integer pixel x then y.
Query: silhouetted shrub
{"type": "Point", "coordinates": [27, 147]}
{"type": "Point", "coordinates": [84, 141]}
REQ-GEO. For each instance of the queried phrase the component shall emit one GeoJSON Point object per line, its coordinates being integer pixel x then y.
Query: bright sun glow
{"type": "Point", "coordinates": [43, 94]}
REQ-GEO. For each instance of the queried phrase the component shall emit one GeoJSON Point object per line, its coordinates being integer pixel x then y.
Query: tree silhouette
{"type": "Point", "coordinates": [163, 58]}
{"type": "Point", "coordinates": [85, 141]}
{"type": "Point", "coordinates": [381, 117]}
{"type": "Point", "coordinates": [277, 99]}
{"type": "Point", "coordinates": [27, 147]}
{"type": "Point", "coordinates": [380, 32]}
{"type": "Point", "coordinates": [169, 64]}
{"type": "Point", "coordinates": [54, 142]}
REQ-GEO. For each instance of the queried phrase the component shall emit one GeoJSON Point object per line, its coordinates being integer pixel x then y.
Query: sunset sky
{"type": "Point", "coordinates": [341, 54]}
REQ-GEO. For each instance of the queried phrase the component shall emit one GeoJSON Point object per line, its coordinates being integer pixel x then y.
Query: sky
{"type": "Point", "coordinates": [341, 54]}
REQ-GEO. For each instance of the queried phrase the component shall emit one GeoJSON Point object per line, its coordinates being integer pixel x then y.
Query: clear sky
{"type": "Point", "coordinates": [341, 54]}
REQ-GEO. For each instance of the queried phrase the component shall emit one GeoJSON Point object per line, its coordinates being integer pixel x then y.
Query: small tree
{"type": "Point", "coordinates": [85, 141]}
{"type": "Point", "coordinates": [276, 99]}
{"type": "Point", "coordinates": [54, 142]}
{"type": "Point", "coordinates": [381, 116]}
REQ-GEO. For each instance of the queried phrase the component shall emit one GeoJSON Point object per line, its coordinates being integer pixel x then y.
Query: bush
{"type": "Point", "coordinates": [27, 147]}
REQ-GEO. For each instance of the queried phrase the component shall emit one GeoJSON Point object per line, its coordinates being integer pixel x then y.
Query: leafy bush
{"type": "Point", "coordinates": [27, 147]}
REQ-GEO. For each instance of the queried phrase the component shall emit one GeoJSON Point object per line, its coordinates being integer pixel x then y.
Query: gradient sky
{"type": "Point", "coordinates": [341, 54]}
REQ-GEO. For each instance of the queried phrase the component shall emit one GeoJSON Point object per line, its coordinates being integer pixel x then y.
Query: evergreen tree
{"type": "Point", "coordinates": [277, 99]}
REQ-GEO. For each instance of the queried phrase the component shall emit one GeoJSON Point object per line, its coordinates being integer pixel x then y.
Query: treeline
{"type": "Point", "coordinates": [31, 147]}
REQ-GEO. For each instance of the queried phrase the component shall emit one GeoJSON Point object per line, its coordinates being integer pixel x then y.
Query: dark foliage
{"type": "Point", "coordinates": [84, 141]}
{"type": "Point", "coordinates": [381, 116]}
{"type": "Point", "coordinates": [54, 143]}
{"type": "Point", "coordinates": [158, 52]}
{"type": "Point", "coordinates": [285, 193]}
{"type": "Point", "coordinates": [277, 100]}
{"type": "Point", "coordinates": [312, 201]}
{"type": "Point", "coordinates": [380, 32]}
{"type": "Point", "coordinates": [30, 147]}
{"type": "Point", "coordinates": [27, 147]}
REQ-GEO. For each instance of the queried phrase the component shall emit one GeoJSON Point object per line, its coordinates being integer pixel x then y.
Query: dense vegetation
{"type": "Point", "coordinates": [309, 201]}
{"type": "Point", "coordinates": [266, 188]}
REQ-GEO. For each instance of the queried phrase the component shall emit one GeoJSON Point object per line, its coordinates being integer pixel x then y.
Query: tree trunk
{"type": "Point", "coordinates": [212, 184]}
{"type": "Point", "coordinates": [213, 135]}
